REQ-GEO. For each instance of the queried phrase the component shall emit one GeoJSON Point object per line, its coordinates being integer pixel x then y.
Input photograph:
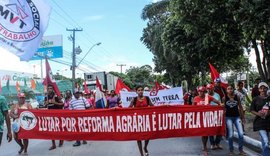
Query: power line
{"type": "Point", "coordinates": [73, 21]}
{"type": "Point", "coordinates": [106, 54]}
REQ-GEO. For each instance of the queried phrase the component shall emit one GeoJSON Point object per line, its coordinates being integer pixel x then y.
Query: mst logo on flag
{"type": "Point", "coordinates": [22, 24]}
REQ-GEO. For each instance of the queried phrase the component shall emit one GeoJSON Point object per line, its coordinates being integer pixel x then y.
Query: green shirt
{"type": "Point", "coordinates": [3, 108]}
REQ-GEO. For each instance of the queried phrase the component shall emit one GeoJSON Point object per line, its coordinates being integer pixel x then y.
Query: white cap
{"type": "Point", "coordinates": [146, 89]}
{"type": "Point", "coordinates": [263, 84]}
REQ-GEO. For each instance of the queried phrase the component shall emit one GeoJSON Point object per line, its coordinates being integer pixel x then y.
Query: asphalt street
{"type": "Point", "coordinates": [161, 147]}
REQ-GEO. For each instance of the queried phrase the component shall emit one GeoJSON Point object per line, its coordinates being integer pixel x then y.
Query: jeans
{"type": "Point", "coordinates": [230, 121]}
{"type": "Point", "coordinates": [215, 141]}
{"type": "Point", "coordinates": [265, 142]}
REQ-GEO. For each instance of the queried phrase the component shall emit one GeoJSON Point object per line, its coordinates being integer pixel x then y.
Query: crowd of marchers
{"type": "Point", "coordinates": [236, 102]}
{"type": "Point", "coordinates": [233, 99]}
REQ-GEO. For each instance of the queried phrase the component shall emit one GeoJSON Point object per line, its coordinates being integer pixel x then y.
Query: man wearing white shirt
{"type": "Point", "coordinates": [78, 103]}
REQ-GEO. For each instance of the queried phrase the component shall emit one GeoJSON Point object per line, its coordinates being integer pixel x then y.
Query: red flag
{"type": "Point", "coordinates": [121, 86]}
{"type": "Point", "coordinates": [215, 75]}
{"type": "Point", "coordinates": [0, 86]}
{"type": "Point", "coordinates": [158, 86]}
{"type": "Point", "coordinates": [86, 90]}
{"type": "Point", "coordinates": [98, 85]}
{"type": "Point", "coordinates": [33, 84]}
{"type": "Point", "coordinates": [49, 79]}
{"type": "Point", "coordinates": [18, 88]}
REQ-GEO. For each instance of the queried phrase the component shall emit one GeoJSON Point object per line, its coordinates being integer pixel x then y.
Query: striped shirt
{"type": "Point", "coordinates": [78, 104]}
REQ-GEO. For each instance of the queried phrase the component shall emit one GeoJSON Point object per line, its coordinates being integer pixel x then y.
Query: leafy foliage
{"type": "Point", "coordinates": [185, 36]}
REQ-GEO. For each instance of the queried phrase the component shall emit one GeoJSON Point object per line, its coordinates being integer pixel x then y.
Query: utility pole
{"type": "Point", "coordinates": [121, 66]}
{"type": "Point", "coordinates": [73, 67]}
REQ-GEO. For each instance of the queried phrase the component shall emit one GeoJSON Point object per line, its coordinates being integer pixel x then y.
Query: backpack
{"type": "Point", "coordinates": [135, 100]}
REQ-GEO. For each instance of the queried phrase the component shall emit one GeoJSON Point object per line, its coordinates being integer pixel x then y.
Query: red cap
{"type": "Point", "coordinates": [210, 86]}
{"type": "Point", "coordinates": [21, 95]}
{"type": "Point", "coordinates": [201, 89]}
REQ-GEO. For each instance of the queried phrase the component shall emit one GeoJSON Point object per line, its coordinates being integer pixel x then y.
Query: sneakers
{"type": "Point", "coordinates": [77, 144]}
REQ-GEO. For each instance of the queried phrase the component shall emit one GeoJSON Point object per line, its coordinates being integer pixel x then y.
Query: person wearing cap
{"type": "Point", "coordinates": [219, 89]}
{"type": "Point", "coordinates": [204, 99]}
{"type": "Point", "coordinates": [52, 101]}
{"type": "Point", "coordinates": [4, 116]}
{"type": "Point", "coordinates": [23, 143]}
{"type": "Point", "coordinates": [214, 141]}
{"type": "Point", "coordinates": [243, 96]}
{"type": "Point", "coordinates": [255, 90]}
{"type": "Point", "coordinates": [234, 116]}
{"type": "Point", "coordinates": [260, 108]}
{"type": "Point", "coordinates": [78, 102]}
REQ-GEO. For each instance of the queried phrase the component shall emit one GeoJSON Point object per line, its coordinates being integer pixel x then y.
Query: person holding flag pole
{"type": "Point", "coordinates": [53, 97]}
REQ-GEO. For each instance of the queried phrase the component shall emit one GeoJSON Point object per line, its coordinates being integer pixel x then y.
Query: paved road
{"type": "Point", "coordinates": [160, 147]}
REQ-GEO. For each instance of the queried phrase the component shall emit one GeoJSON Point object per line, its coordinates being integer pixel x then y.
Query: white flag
{"type": "Point", "coordinates": [22, 25]}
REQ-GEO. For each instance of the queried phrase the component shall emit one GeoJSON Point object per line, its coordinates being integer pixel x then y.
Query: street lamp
{"type": "Point", "coordinates": [97, 44]}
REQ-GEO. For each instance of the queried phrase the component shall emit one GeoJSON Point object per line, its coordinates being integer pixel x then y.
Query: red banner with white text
{"type": "Point", "coordinates": [122, 123]}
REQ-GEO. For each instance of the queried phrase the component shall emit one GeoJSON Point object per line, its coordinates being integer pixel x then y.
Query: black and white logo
{"type": "Point", "coordinates": [28, 120]}
{"type": "Point", "coordinates": [20, 20]}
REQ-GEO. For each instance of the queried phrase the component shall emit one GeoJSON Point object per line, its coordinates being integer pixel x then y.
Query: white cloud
{"type": "Point", "coordinates": [9, 61]}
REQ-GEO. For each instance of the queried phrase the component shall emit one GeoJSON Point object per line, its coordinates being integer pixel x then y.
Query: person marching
{"type": "Point", "coordinates": [78, 103]}
{"type": "Point", "coordinates": [4, 116]}
{"type": "Point", "coordinates": [68, 97]}
{"type": "Point", "coordinates": [243, 96]}
{"type": "Point", "coordinates": [214, 141]}
{"type": "Point", "coordinates": [52, 101]}
{"type": "Point", "coordinates": [219, 89]}
{"type": "Point", "coordinates": [204, 100]}
{"type": "Point", "coordinates": [113, 100]}
{"type": "Point", "coordinates": [234, 116]}
{"type": "Point", "coordinates": [141, 101]}
{"type": "Point", "coordinates": [14, 114]}
{"type": "Point", "coordinates": [260, 108]}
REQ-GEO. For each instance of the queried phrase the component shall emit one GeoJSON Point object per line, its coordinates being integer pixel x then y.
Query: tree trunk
{"type": "Point", "coordinates": [189, 81]}
{"type": "Point", "coordinates": [258, 59]}
{"type": "Point", "coordinates": [172, 79]}
{"type": "Point", "coordinates": [264, 55]}
{"type": "Point", "coordinates": [267, 55]}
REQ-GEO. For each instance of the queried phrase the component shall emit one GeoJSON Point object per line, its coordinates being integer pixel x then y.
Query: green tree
{"type": "Point", "coordinates": [253, 17]}
{"type": "Point", "coordinates": [185, 36]}
{"type": "Point", "coordinates": [156, 15]}
{"type": "Point", "coordinates": [140, 75]}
